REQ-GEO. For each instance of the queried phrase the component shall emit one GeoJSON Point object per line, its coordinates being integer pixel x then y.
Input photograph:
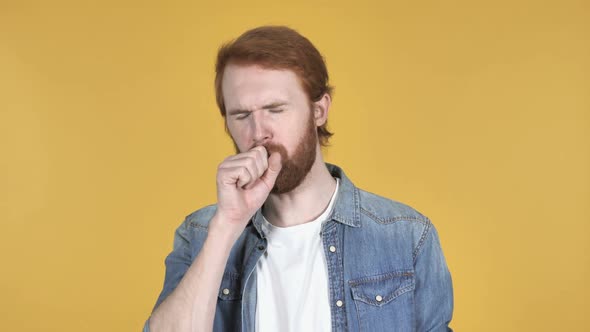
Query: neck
{"type": "Point", "coordinates": [306, 202]}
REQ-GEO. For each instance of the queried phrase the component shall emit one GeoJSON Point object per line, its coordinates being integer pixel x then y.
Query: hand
{"type": "Point", "coordinates": [244, 181]}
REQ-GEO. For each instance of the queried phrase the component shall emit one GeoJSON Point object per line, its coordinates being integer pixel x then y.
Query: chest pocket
{"type": "Point", "coordinates": [385, 302]}
{"type": "Point", "coordinates": [230, 289]}
{"type": "Point", "coordinates": [229, 304]}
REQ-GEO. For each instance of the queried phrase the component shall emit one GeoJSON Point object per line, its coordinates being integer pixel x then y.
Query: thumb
{"type": "Point", "coordinates": [274, 168]}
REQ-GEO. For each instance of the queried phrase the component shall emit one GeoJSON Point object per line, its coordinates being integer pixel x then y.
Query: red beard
{"type": "Point", "coordinates": [296, 168]}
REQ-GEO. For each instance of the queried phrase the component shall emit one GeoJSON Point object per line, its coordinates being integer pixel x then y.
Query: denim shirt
{"type": "Point", "coordinates": [386, 268]}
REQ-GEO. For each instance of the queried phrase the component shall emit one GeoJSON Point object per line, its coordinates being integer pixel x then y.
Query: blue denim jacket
{"type": "Point", "coordinates": [388, 272]}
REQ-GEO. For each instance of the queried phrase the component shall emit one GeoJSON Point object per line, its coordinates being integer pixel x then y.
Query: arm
{"type": "Point", "coordinates": [434, 289]}
{"type": "Point", "coordinates": [191, 306]}
{"type": "Point", "coordinates": [244, 181]}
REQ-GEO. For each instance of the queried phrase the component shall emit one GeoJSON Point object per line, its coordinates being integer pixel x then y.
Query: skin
{"type": "Point", "coordinates": [266, 139]}
{"type": "Point", "coordinates": [246, 91]}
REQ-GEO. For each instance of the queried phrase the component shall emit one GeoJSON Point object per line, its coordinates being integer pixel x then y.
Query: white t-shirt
{"type": "Point", "coordinates": [292, 278]}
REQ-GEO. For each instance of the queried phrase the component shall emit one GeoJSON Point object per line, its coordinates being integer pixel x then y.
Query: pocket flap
{"type": "Point", "coordinates": [382, 289]}
{"type": "Point", "coordinates": [230, 287]}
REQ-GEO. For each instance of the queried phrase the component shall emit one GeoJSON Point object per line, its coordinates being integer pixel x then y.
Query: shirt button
{"type": "Point", "coordinates": [225, 291]}
{"type": "Point", "coordinates": [332, 249]}
{"type": "Point", "coordinates": [378, 298]}
{"type": "Point", "coordinates": [339, 303]}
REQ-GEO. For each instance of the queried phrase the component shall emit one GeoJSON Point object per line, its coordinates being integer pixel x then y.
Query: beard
{"type": "Point", "coordinates": [296, 167]}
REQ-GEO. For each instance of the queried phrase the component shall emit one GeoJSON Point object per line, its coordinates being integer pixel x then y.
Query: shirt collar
{"type": "Point", "coordinates": [346, 207]}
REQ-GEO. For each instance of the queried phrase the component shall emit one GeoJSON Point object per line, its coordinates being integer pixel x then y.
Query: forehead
{"type": "Point", "coordinates": [251, 86]}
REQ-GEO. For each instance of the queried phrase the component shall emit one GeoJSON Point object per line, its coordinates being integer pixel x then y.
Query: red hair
{"type": "Point", "coordinates": [278, 47]}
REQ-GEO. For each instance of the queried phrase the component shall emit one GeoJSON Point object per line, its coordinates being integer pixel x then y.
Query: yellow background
{"type": "Point", "coordinates": [476, 113]}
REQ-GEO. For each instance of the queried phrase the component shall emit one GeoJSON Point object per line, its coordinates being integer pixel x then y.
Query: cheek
{"type": "Point", "coordinates": [235, 134]}
{"type": "Point", "coordinates": [236, 128]}
{"type": "Point", "coordinates": [291, 139]}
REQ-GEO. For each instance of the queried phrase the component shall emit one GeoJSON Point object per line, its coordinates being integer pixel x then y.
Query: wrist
{"type": "Point", "coordinates": [223, 231]}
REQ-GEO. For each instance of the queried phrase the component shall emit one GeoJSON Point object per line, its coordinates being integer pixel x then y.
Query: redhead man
{"type": "Point", "coordinates": [292, 244]}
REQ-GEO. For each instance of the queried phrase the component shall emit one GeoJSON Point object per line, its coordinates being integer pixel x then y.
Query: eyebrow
{"type": "Point", "coordinates": [274, 104]}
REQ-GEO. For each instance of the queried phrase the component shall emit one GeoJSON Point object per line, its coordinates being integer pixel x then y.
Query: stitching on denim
{"type": "Point", "coordinates": [338, 216]}
{"type": "Point", "coordinates": [392, 219]}
{"type": "Point", "coordinates": [233, 275]}
{"type": "Point", "coordinates": [197, 225]}
{"type": "Point", "coordinates": [398, 292]}
{"type": "Point", "coordinates": [402, 290]}
{"type": "Point", "coordinates": [234, 286]}
{"type": "Point", "coordinates": [330, 269]}
{"type": "Point", "coordinates": [357, 206]}
{"type": "Point", "coordinates": [427, 228]}
{"type": "Point", "coordinates": [358, 315]}
{"type": "Point", "coordinates": [341, 281]}
{"type": "Point", "coordinates": [386, 276]}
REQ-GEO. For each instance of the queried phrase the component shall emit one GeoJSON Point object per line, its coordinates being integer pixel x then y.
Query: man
{"type": "Point", "coordinates": [292, 244]}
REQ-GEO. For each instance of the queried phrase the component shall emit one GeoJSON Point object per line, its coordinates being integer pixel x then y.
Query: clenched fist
{"type": "Point", "coordinates": [244, 181]}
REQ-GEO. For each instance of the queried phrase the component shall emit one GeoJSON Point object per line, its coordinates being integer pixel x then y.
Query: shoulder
{"type": "Point", "coordinates": [196, 221]}
{"type": "Point", "coordinates": [383, 210]}
{"type": "Point", "coordinates": [393, 220]}
{"type": "Point", "coordinates": [191, 233]}
{"type": "Point", "coordinates": [201, 217]}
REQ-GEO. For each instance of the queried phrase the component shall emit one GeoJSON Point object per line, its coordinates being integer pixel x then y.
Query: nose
{"type": "Point", "coordinates": [260, 129]}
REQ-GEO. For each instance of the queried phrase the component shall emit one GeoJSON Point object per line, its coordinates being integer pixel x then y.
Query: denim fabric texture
{"type": "Point", "coordinates": [388, 272]}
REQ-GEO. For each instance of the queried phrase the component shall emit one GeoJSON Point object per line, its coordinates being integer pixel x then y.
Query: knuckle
{"type": "Point", "coordinates": [224, 162]}
{"type": "Point", "coordinates": [252, 163]}
{"type": "Point", "coordinates": [220, 168]}
{"type": "Point", "coordinates": [244, 172]}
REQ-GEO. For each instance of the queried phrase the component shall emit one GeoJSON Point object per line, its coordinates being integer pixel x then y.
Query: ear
{"type": "Point", "coordinates": [320, 109]}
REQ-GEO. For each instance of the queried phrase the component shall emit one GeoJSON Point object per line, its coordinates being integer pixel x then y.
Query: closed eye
{"type": "Point", "coordinates": [276, 111]}
{"type": "Point", "coordinates": [242, 116]}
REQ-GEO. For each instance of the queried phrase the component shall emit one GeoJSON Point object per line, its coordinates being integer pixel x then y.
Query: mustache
{"type": "Point", "coordinates": [272, 147]}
